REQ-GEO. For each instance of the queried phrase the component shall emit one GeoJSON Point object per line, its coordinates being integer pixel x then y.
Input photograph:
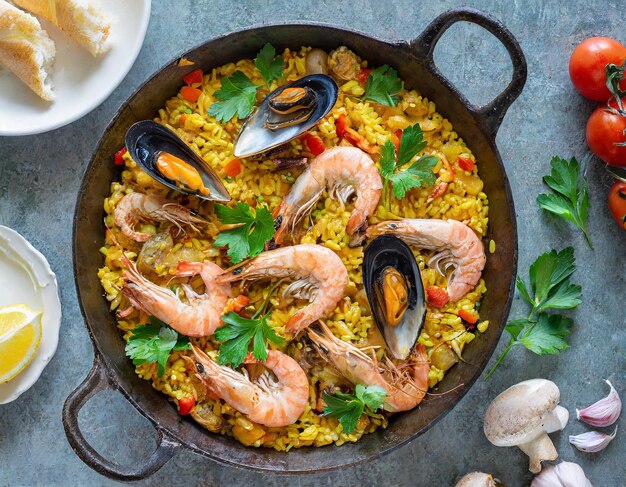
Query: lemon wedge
{"type": "Point", "coordinates": [20, 335]}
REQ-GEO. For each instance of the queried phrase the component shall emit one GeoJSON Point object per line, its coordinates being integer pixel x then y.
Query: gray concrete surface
{"type": "Point", "coordinates": [39, 177]}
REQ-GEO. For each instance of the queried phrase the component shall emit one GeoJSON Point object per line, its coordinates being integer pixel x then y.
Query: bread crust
{"type": "Point", "coordinates": [26, 49]}
{"type": "Point", "coordinates": [88, 26]}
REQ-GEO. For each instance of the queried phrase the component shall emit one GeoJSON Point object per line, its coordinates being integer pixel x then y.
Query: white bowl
{"type": "Point", "coordinates": [26, 278]}
{"type": "Point", "coordinates": [81, 82]}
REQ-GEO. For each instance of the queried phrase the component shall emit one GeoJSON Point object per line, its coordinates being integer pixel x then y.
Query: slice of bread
{"type": "Point", "coordinates": [26, 49]}
{"type": "Point", "coordinates": [83, 21]}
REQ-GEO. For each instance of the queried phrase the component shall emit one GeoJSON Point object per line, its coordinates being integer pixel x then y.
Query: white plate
{"type": "Point", "coordinates": [25, 277]}
{"type": "Point", "coordinates": [81, 82]}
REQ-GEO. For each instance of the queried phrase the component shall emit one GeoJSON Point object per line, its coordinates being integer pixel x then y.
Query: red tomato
{"type": "Point", "coordinates": [186, 405]}
{"type": "Point", "coordinates": [587, 66]}
{"type": "Point", "coordinates": [314, 143]}
{"type": "Point", "coordinates": [617, 203]}
{"type": "Point", "coordinates": [194, 77]}
{"type": "Point", "coordinates": [341, 125]}
{"type": "Point", "coordinates": [363, 75]}
{"type": "Point", "coordinates": [233, 168]}
{"type": "Point", "coordinates": [605, 130]}
{"type": "Point", "coordinates": [190, 94]}
{"type": "Point", "coordinates": [465, 163]}
{"type": "Point", "coordinates": [118, 159]}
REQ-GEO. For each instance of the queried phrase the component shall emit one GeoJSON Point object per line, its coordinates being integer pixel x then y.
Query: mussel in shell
{"type": "Point", "coordinates": [286, 113]}
{"type": "Point", "coordinates": [292, 99]}
{"type": "Point", "coordinates": [165, 157]}
{"type": "Point", "coordinates": [395, 292]}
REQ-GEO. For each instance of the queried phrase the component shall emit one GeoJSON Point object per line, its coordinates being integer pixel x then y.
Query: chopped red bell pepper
{"type": "Point", "coordinates": [465, 163]}
{"type": "Point", "coordinates": [436, 296]}
{"type": "Point", "coordinates": [363, 75]}
{"type": "Point", "coordinates": [471, 318]}
{"type": "Point", "coordinates": [314, 143]}
{"type": "Point", "coordinates": [118, 159]}
{"type": "Point", "coordinates": [190, 94]}
{"type": "Point", "coordinates": [233, 168]}
{"type": "Point", "coordinates": [397, 138]}
{"type": "Point", "coordinates": [193, 78]}
{"type": "Point", "coordinates": [186, 405]}
{"type": "Point", "coordinates": [341, 125]}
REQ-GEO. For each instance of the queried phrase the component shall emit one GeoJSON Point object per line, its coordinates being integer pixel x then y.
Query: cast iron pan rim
{"type": "Point", "coordinates": [110, 371]}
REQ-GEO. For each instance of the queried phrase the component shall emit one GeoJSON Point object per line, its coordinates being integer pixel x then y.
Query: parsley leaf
{"type": "Point", "coordinates": [570, 199]}
{"type": "Point", "coordinates": [550, 288]}
{"type": "Point", "coordinates": [237, 97]}
{"type": "Point", "coordinates": [248, 239]}
{"type": "Point", "coordinates": [154, 343]}
{"type": "Point", "coordinates": [418, 175]}
{"type": "Point", "coordinates": [381, 86]}
{"type": "Point", "coordinates": [236, 335]}
{"type": "Point", "coordinates": [348, 408]}
{"type": "Point", "coordinates": [549, 282]}
{"type": "Point", "coordinates": [270, 65]}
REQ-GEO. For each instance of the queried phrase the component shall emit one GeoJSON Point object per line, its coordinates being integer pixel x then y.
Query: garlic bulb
{"type": "Point", "coordinates": [593, 441]}
{"type": "Point", "coordinates": [565, 474]}
{"type": "Point", "coordinates": [604, 412]}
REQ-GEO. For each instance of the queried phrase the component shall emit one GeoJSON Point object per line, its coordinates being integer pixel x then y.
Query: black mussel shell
{"type": "Point", "coordinates": [255, 136]}
{"type": "Point", "coordinates": [145, 140]}
{"type": "Point", "coordinates": [386, 252]}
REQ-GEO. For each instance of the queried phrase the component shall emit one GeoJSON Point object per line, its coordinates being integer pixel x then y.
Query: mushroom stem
{"type": "Point", "coordinates": [538, 450]}
{"type": "Point", "coordinates": [556, 419]}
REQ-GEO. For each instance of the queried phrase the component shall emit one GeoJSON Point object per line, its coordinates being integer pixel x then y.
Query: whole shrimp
{"type": "Point", "coordinates": [200, 317]}
{"type": "Point", "coordinates": [405, 384]}
{"type": "Point", "coordinates": [458, 248]}
{"type": "Point", "coordinates": [268, 401]}
{"type": "Point", "coordinates": [138, 207]}
{"type": "Point", "coordinates": [344, 170]}
{"type": "Point", "coordinates": [318, 273]}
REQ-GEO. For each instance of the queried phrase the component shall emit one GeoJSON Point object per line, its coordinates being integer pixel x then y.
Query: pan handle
{"type": "Point", "coordinates": [98, 380]}
{"type": "Point", "coordinates": [492, 113]}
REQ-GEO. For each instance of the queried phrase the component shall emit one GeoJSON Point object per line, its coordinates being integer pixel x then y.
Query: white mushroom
{"type": "Point", "coordinates": [523, 415]}
{"type": "Point", "coordinates": [477, 479]}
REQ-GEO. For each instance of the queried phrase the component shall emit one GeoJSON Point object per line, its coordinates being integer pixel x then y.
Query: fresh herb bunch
{"type": "Point", "coordinates": [550, 288]}
{"type": "Point", "coordinates": [154, 343]}
{"type": "Point", "coordinates": [248, 239]}
{"type": "Point", "coordinates": [417, 175]}
{"type": "Point", "coordinates": [348, 408]}
{"type": "Point", "coordinates": [570, 197]}
{"type": "Point", "coordinates": [238, 332]}
{"type": "Point", "coordinates": [383, 85]}
{"type": "Point", "coordinates": [237, 95]}
{"type": "Point", "coordinates": [269, 64]}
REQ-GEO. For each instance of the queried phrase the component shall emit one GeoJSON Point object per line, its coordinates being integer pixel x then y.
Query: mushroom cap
{"type": "Point", "coordinates": [476, 479]}
{"type": "Point", "coordinates": [516, 416]}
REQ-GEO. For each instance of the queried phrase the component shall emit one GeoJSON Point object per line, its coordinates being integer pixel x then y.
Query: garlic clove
{"type": "Point", "coordinates": [604, 412]}
{"type": "Point", "coordinates": [565, 474]}
{"type": "Point", "coordinates": [592, 441]}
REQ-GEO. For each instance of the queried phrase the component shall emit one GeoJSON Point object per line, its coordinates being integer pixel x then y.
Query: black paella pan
{"type": "Point", "coordinates": [112, 370]}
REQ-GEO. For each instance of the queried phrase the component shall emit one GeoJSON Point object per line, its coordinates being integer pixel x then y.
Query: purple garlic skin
{"type": "Point", "coordinates": [604, 412]}
{"type": "Point", "coordinates": [592, 441]}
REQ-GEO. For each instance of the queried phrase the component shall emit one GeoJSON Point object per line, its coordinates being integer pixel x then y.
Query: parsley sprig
{"type": "Point", "coordinates": [248, 239]}
{"type": "Point", "coordinates": [550, 288]}
{"type": "Point", "coordinates": [154, 343]}
{"type": "Point", "coordinates": [383, 85]}
{"type": "Point", "coordinates": [237, 95]}
{"type": "Point", "coordinates": [418, 174]}
{"type": "Point", "coordinates": [238, 332]}
{"type": "Point", "coordinates": [348, 408]}
{"type": "Point", "coordinates": [570, 197]}
{"type": "Point", "coordinates": [269, 64]}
